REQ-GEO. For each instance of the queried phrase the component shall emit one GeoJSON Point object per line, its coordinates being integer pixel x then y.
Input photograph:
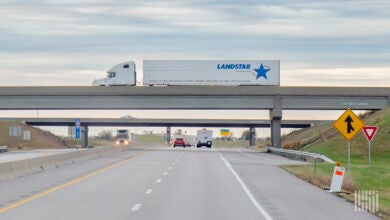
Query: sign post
{"type": "Point", "coordinates": [348, 124]}
{"type": "Point", "coordinates": [77, 125]}
{"type": "Point", "coordinates": [369, 132]}
{"type": "Point", "coordinates": [349, 158]}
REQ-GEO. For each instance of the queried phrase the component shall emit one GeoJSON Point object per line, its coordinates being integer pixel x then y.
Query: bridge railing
{"type": "Point", "coordinates": [300, 155]}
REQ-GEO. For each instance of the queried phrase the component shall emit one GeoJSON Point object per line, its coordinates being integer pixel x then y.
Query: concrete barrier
{"type": "Point", "coordinates": [6, 171]}
{"type": "Point", "coordinates": [300, 155]}
{"type": "Point", "coordinates": [13, 169]}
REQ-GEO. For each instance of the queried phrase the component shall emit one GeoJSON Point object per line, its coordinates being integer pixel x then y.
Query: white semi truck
{"type": "Point", "coordinates": [122, 137]}
{"type": "Point", "coordinates": [204, 137]}
{"type": "Point", "coordinates": [196, 72]}
{"type": "Point", "coordinates": [122, 74]}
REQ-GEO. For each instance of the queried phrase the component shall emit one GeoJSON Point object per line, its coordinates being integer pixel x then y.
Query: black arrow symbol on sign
{"type": "Point", "coordinates": [349, 124]}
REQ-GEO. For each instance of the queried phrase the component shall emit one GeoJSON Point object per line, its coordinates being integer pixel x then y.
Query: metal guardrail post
{"type": "Point", "coordinates": [306, 156]}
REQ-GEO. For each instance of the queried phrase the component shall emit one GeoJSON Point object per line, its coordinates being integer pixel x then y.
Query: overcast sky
{"type": "Point", "coordinates": [69, 42]}
{"type": "Point", "coordinates": [318, 43]}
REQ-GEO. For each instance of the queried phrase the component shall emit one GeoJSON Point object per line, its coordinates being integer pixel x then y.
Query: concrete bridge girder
{"type": "Point", "coordinates": [272, 98]}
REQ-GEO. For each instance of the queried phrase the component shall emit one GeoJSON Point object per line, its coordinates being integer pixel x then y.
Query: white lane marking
{"type": "Point", "coordinates": [149, 191]}
{"type": "Point", "coordinates": [136, 207]}
{"type": "Point", "coordinates": [169, 168]}
{"type": "Point", "coordinates": [159, 181]}
{"type": "Point", "coordinates": [165, 173]}
{"type": "Point", "coordinates": [178, 157]}
{"type": "Point", "coordinates": [248, 193]}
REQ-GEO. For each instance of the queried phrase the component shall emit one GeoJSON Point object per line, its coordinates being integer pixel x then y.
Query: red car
{"type": "Point", "coordinates": [179, 142]}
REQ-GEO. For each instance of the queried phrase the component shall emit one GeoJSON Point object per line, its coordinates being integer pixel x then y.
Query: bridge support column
{"type": "Point", "coordinates": [276, 136]}
{"type": "Point", "coordinates": [275, 115]}
{"type": "Point", "coordinates": [252, 136]}
{"type": "Point", "coordinates": [168, 134]}
{"type": "Point", "coordinates": [84, 136]}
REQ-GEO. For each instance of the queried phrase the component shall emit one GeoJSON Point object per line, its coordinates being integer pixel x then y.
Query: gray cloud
{"type": "Point", "coordinates": [64, 36]}
{"type": "Point", "coordinates": [72, 42]}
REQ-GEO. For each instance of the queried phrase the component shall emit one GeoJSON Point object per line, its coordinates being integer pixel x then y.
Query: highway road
{"type": "Point", "coordinates": [166, 183]}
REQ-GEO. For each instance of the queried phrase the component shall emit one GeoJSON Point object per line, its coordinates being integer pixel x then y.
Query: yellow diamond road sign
{"type": "Point", "coordinates": [348, 124]}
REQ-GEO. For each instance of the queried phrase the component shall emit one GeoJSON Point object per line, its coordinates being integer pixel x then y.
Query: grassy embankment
{"type": "Point", "coordinates": [39, 139]}
{"type": "Point", "coordinates": [324, 139]}
{"type": "Point", "coordinates": [149, 138]}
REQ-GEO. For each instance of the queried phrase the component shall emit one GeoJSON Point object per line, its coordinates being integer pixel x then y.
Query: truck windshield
{"type": "Point", "coordinates": [111, 74]}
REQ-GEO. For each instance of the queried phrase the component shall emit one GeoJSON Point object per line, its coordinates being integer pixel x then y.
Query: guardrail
{"type": "Point", "coordinates": [3, 149]}
{"type": "Point", "coordinates": [300, 155]}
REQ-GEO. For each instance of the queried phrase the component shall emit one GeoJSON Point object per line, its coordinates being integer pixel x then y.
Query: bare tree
{"type": "Point", "coordinates": [105, 135]}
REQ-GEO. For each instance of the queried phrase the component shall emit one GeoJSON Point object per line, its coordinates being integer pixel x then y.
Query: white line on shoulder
{"type": "Point", "coordinates": [246, 190]}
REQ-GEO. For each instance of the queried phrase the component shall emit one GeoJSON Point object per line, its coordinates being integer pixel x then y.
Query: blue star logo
{"type": "Point", "coordinates": [261, 71]}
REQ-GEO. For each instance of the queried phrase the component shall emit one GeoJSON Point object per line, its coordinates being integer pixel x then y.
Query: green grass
{"type": "Point", "coordinates": [149, 138]}
{"type": "Point", "coordinates": [363, 176]}
{"type": "Point", "coordinates": [225, 143]}
{"type": "Point", "coordinates": [237, 143]}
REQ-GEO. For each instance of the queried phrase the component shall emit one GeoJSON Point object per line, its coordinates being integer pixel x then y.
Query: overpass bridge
{"type": "Point", "coordinates": [146, 122]}
{"type": "Point", "coordinates": [168, 123]}
{"type": "Point", "coordinates": [272, 98]}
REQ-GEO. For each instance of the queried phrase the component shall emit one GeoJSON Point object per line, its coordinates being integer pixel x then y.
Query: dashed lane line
{"type": "Point", "coordinates": [136, 207]}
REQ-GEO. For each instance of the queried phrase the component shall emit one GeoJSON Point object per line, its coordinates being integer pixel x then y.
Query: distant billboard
{"type": "Point", "coordinates": [26, 135]}
{"type": "Point", "coordinates": [71, 131]}
{"type": "Point", "coordinates": [15, 131]}
{"type": "Point", "coordinates": [225, 132]}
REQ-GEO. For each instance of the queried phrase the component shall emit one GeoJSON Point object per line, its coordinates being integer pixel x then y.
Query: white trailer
{"type": "Point", "coordinates": [204, 138]}
{"type": "Point", "coordinates": [211, 72]}
{"type": "Point", "coordinates": [122, 74]}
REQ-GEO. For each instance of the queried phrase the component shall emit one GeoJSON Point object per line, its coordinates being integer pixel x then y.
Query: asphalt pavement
{"type": "Point", "coordinates": [166, 183]}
